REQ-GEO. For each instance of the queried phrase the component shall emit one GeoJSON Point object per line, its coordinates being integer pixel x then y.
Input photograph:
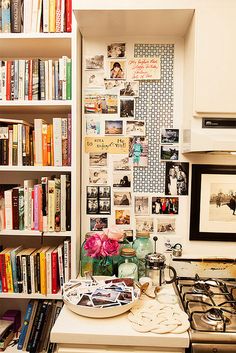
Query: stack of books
{"type": "Point", "coordinates": [35, 79]}
{"type": "Point", "coordinates": [41, 144]}
{"type": "Point", "coordinates": [35, 16]}
{"type": "Point", "coordinates": [39, 319]}
{"type": "Point", "coordinates": [44, 206]}
{"type": "Point", "coordinates": [32, 270]}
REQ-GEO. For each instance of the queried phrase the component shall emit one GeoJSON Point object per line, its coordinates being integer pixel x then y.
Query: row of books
{"type": "Point", "coordinates": [32, 16]}
{"type": "Point", "coordinates": [33, 270]}
{"type": "Point", "coordinates": [39, 318]}
{"type": "Point", "coordinates": [45, 206]}
{"type": "Point", "coordinates": [35, 79]}
{"type": "Point", "coordinates": [41, 144]}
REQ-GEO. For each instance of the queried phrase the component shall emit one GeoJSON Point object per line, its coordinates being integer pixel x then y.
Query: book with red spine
{"type": "Point", "coordinates": [40, 208]}
{"type": "Point", "coordinates": [3, 270]}
{"type": "Point", "coordinates": [30, 79]}
{"type": "Point", "coordinates": [55, 272]}
{"type": "Point", "coordinates": [68, 15]}
{"type": "Point", "coordinates": [15, 208]}
{"type": "Point", "coordinates": [8, 80]}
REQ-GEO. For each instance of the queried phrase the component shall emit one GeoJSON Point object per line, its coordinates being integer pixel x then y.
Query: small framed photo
{"type": "Point", "coordinates": [121, 164]}
{"type": "Point", "coordinates": [141, 205]}
{"type": "Point", "coordinates": [145, 224]}
{"type": "Point", "coordinates": [165, 205]}
{"type": "Point", "coordinates": [117, 69]}
{"type": "Point", "coordinates": [95, 62]}
{"type": "Point", "coordinates": [122, 198]}
{"type": "Point", "coordinates": [93, 127]}
{"type": "Point", "coordinates": [122, 180]}
{"type": "Point", "coordinates": [169, 136]}
{"type": "Point", "coordinates": [113, 127]}
{"type": "Point", "coordinates": [169, 152]}
{"type": "Point", "coordinates": [166, 225]}
{"type": "Point", "coordinates": [92, 206]}
{"type": "Point", "coordinates": [131, 89]}
{"type": "Point", "coordinates": [98, 223]}
{"type": "Point", "coordinates": [104, 206]}
{"type": "Point", "coordinates": [93, 79]}
{"type": "Point", "coordinates": [116, 50]}
{"type": "Point", "coordinates": [97, 159]}
{"type": "Point", "coordinates": [104, 192]}
{"type": "Point", "coordinates": [92, 192]}
{"type": "Point", "coordinates": [98, 176]}
{"type": "Point", "coordinates": [127, 107]}
{"type": "Point", "coordinates": [122, 217]}
{"type": "Point", "coordinates": [135, 128]}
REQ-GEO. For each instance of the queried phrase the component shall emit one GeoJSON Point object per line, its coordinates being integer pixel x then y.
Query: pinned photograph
{"type": "Point", "coordinates": [95, 62]}
{"type": "Point", "coordinates": [176, 180]}
{"type": "Point", "coordinates": [165, 205]}
{"type": "Point", "coordinates": [169, 136]}
{"type": "Point", "coordinates": [122, 198]}
{"type": "Point", "coordinates": [92, 191]}
{"type": "Point", "coordinates": [93, 126]}
{"type": "Point", "coordinates": [122, 164]}
{"type": "Point", "coordinates": [117, 69]}
{"type": "Point", "coordinates": [98, 223]}
{"type": "Point", "coordinates": [131, 89]}
{"type": "Point", "coordinates": [93, 79]}
{"type": "Point", "coordinates": [138, 151]}
{"type": "Point", "coordinates": [141, 205]}
{"type": "Point", "coordinates": [97, 159]}
{"type": "Point", "coordinates": [104, 192]}
{"type": "Point", "coordinates": [122, 180]}
{"type": "Point", "coordinates": [116, 50]}
{"type": "Point", "coordinates": [127, 108]}
{"type": "Point", "coordinates": [169, 153]}
{"type": "Point", "coordinates": [111, 84]}
{"type": "Point", "coordinates": [98, 176]}
{"type": "Point", "coordinates": [101, 104]}
{"type": "Point", "coordinates": [104, 206]}
{"type": "Point", "coordinates": [135, 128]}
{"type": "Point", "coordinates": [113, 127]}
{"type": "Point", "coordinates": [92, 206]}
{"type": "Point", "coordinates": [166, 225]}
{"type": "Point", "coordinates": [144, 225]}
{"type": "Point", "coordinates": [122, 217]}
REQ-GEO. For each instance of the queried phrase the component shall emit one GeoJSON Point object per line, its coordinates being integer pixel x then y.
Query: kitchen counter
{"type": "Point", "coordinates": [75, 333]}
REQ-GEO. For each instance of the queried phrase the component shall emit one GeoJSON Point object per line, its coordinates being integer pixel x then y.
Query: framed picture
{"type": "Point", "coordinates": [213, 203]}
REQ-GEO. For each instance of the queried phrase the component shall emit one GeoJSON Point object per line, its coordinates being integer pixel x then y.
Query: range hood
{"type": "Point", "coordinates": [210, 134]}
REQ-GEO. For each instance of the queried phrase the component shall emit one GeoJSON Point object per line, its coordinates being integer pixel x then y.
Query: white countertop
{"type": "Point", "coordinates": [71, 328]}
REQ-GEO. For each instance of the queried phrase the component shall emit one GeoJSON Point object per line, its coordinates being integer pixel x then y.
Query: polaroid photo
{"type": "Point", "coordinates": [122, 217]}
{"type": "Point", "coordinates": [122, 179]}
{"type": "Point", "coordinates": [95, 103]}
{"type": "Point", "coordinates": [113, 85]}
{"type": "Point", "coordinates": [135, 128]}
{"type": "Point", "coordinates": [116, 50]}
{"type": "Point", "coordinates": [100, 302]}
{"type": "Point", "coordinates": [131, 89]}
{"type": "Point", "coordinates": [104, 206]}
{"type": "Point", "coordinates": [144, 225]}
{"type": "Point", "coordinates": [141, 205]}
{"type": "Point", "coordinates": [104, 192]}
{"type": "Point", "coordinates": [169, 153]}
{"type": "Point", "coordinates": [165, 205]}
{"type": "Point", "coordinates": [98, 176]}
{"type": "Point", "coordinates": [169, 136]}
{"type": "Point", "coordinates": [98, 223]}
{"type": "Point", "coordinates": [176, 179]}
{"type": "Point", "coordinates": [126, 296]}
{"type": "Point", "coordinates": [93, 126]}
{"type": "Point", "coordinates": [166, 225]}
{"type": "Point", "coordinates": [93, 79]}
{"type": "Point", "coordinates": [113, 127]}
{"type": "Point", "coordinates": [105, 294]}
{"type": "Point", "coordinates": [127, 107]}
{"type": "Point", "coordinates": [85, 301]}
{"type": "Point", "coordinates": [97, 159]}
{"type": "Point", "coordinates": [122, 198]}
{"type": "Point", "coordinates": [92, 206]}
{"type": "Point", "coordinates": [117, 69]}
{"type": "Point", "coordinates": [95, 62]}
{"type": "Point", "coordinates": [138, 151]}
{"type": "Point", "coordinates": [121, 164]}
{"type": "Point", "coordinates": [92, 192]}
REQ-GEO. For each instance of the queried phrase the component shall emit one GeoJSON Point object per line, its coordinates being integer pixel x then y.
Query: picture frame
{"type": "Point", "coordinates": [213, 195]}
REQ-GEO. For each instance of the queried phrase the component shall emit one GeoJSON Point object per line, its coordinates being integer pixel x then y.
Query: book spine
{"type": "Point", "coordinates": [15, 145]}
{"type": "Point", "coordinates": [35, 82]}
{"type": "Point", "coordinates": [57, 135]}
{"type": "Point", "coordinates": [63, 203]}
{"type": "Point", "coordinates": [33, 329]}
{"type": "Point", "coordinates": [68, 205]}
{"type": "Point", "coordinates": [8, 80]}
{"type": "Point", "coordinates": [44, 183]}
{"type": "Point", "coordinates": [39, 14]}
{"type": "Point", "coordinates": [8, 209]}
{"type": "Point", "coordinates": [34, 16]}
{"type": "Point", "coordinates": [10, 147]}
{"type": "Point", "coordinates": [36, 207]}
{"type": "Point", "coordinates": [26, 204]}
{"type": "Point", "coordinates": [3, 273]}
{"type": "Point", "coordinates": [56, 79]}
{"type": "Point", "coordinates": [64, 60]}
{"type": "Point", "coordinates": [38, 142]}
{"type": "Point", "coordinates": [68, 15]}
{"type": "Point", "coordinates": [32, 148]}
{"type": "Point", "coordinates": [64, 137]}
{"type": "Point", "coordinates": [66, 260]}
{"type": "Point", "coordinates": [30, 79]}
{"type": "Point", "coordinates": [9, 273]}
{"type": "Point", "coordinates": [1, 98]}
{"type": "Point", "coordinates": [14, 271]}
{"type": "Point", "coordinates": [15, 208]}
{"type": "Point", "coordinates": [26, 85]}
{"type": "Point", "coordinates": [5, 151]}
{"type": "Point", "coordinates": [27, 15]}
{"type": "Point", "coordinates": [12, 80]}
{"type": "Point", "coordinates": [45, 16]}
{"type": "Point", "coordinates": [69, 138]}
{"type": "Point", "coordinates": [62, 15]}
{"type": "Point", "coordinates": [49, 147]}
{"type": "Point", "coordinates": [4, 74]}
{"type": "Point", "coordinates": [24, 273]}
{"type": "Point", "coordinates": [57, 204]}
{"type": "Point", "coordinates": [28, 274]}
{"type": "Point", "coordinates": [46, 80]}
{"type": "Point", "coordinates": [31, 208]}
{"type": "Point", "coordinates": [39, 327]}
{"type": "Point", "coordinates": [42, 79]}
{"type": "Point", "coordinates": [44, 144]}
{"type": "Point", "coordinates": [19, 273]}
{"type": "Point", "coordinates": [60, 265]}
{"type": "Point", "coordinates": [58, 16]}
{"type": "Point", "coordinates": [37, 281]}
{"type": "Point", "coordinates": [21, 209]}
{"type": "Point", "coordinates": [68, 79]}
{"type": "Point", "coordinates": [52, 15]}
{"type": "Point", "coordinates": [25, 325]}
{"type": "Point", "coordinates": [55, 279]}
{"type": "Point", "coordinates": [24, 144]}
{"type": "Point", "coordinates": [51, 205]}
{"type": "Point", "coordinates": [32, 272]}
{"type": "Point", "coordinates": [49, 271]}
{"type": "Point", "coordinates": [43, 283]}
{"type": "Point", "coordinates": [16, 80]}
{"type": "Point", "coordinates": [16, 16]}
{"type": "Point", "coordinates": [40, 209]}
{"type": "Point", "coordinates": [50, 91]}
{"type": "Point", "coordinates": [19, 145]}
{"type": "Point", "coordinates": [27, 145]}
{"type": "Point", "coordinates": [6, 16]}
{"type": "Point", "coordinates": [22, 79]}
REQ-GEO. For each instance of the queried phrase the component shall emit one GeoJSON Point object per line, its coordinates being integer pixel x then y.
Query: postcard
{"type": "Point", "coordinates": [144, 224]}
{"type": "Point", "coordinates": [116, 50]}
{"type": "Point", "coordinates": [93, 126]}
{"type": "Point", "coordinates": [117, 69]}
{"type": "Point", "coordinates": [98, 176]}
{"type": "Point", "coordinates": [169, 136]}
{"type": "Point", "coordinates": [127, 107]}
{"type": "Point", "coordinates": [122, 217]}
{"type": "Point", "coordinates": [98, 223]}
{"type": "Point", "coordinates": [97, 159]}
{"type": "Point", "coordinates": [139, 151]}
{"type": "Point", "coordinates": [169, 152]}
{"type": "Point", "coordinates": [122, 198]}
{"type": "Point", "coordinates": [95, 62]}
{"type": "Point", "coordinates": [122, 179]}
{"type": "Point", "coordinates": [100, 103]}
{"type": "Point", "coordinates": [144, 68]}
{"type": "Point", "coordinates": [93, 79]}
{"type": "Point", "coordinates": [106, 294]}
{"type": "Point", "coordinates": [107, 144]}
{"type": "Point", "coordinates": [141, 205]}
{"type": "Point", "coordinates": [135, 128]}
{"type": "Point", "coordinates": [113, 127]}
{"type": "Point", "coordinates": [121, 163]}
{"type": "Point", "coordinates": [165, 205]}
{"type": "Point", "coordinates": [131, 89]}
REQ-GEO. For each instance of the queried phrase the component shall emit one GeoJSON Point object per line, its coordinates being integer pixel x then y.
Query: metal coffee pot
{"type": "Point", "coordinates": [155, 267]}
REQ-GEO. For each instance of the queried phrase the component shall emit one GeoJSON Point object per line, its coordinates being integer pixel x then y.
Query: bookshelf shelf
{"type": "Point", "coordinates": [35, 106]}
{"type": "Point", "coordinates": [30, 296]}
{"type": "Point", "coordinates": [22, 36]}
{"type": "Point", "coordinates": [33, 233]}
{"type": "Point", "coordinates": [42, 169]}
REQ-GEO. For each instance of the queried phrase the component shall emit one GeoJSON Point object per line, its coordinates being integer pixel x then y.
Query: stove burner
{"type": "Point", "coordinates": [201, 287]}
{"type": "Point", "coordinates": [214, 317]}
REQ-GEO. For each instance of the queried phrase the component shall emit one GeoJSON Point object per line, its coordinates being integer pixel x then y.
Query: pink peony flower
{"type": "Point", "coordinates": [110, 247]}
{"type": "Point", "coordinates": [114, 232]}
{"type": "Point", "coordinates": [93, 245]}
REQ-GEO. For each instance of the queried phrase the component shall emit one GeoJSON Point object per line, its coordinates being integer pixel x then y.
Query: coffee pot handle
{"type": "Point", "coordinates": [174, 275]}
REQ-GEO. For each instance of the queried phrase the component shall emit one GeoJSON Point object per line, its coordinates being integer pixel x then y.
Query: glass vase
{"type": "Point", "coordinates": [103, 266]}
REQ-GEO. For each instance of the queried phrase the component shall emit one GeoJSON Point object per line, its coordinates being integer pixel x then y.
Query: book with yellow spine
{"type": "Point", "coordinates": [43, 272]}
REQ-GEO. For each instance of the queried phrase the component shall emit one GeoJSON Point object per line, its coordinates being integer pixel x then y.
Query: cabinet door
{"type": "Point", "coordinates": [215, 90]}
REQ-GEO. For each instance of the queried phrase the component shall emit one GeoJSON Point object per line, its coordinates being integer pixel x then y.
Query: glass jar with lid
{"type": "Point", "coordinates": [143, 246]}
{"type": "Point", "coordinates": [128, 265]}
{"type": "Point", "coordinates": [86, 262]}
{"type": "Point", "coordinates": [124, 243]}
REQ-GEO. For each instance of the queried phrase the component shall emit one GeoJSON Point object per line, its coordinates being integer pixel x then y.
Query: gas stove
{"type": "Point", "coordinates": [211, 306]}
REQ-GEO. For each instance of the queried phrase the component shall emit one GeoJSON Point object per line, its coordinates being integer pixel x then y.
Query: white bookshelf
{"type": "Point", "coordinates": [29, 296]}
{"type": "Point", "coordinates": [52, 169]}
{"type": "Point", "coordinates": [33, 233]}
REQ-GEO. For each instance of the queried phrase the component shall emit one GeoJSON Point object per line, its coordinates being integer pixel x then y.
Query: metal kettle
{"type": "Point", "coordinates": [155, 269]}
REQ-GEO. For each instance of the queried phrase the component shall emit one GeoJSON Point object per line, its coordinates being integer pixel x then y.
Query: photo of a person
{"type": "Point", "coordinates": [116, 50]}
{"type": "Point", "coordinates": [130, 89]}
{"type": "Point", "coordinates": [222, 202]}
{"type": "Point", "coordinates": [122, 179]}
{"type": "Point", "coordinates": [122, 198]}
{"type": "Point", "coordinates": [125, 181]}
{"type": "Point", "coordinates": [116, 70]}
{"type": "Point", "coordinates": [127, 108]}
{"type": "Point", "coordinates": [138, 151]}
{"type": "Point", "coordinates": [98, 223]}
{"type": "Point", "coordinates": [176, 178]}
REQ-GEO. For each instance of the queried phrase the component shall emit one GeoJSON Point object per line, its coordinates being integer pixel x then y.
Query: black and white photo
{"type": "Point", "coordinates": [169, 136]}
{"type": "Point", "coordinates": [127, 107]}
{"type": "Point", "coordinates": [104, 206]}
{"type": "Point", "coordinates": [169, 153]}
{"type": "Point", "coordinates": [141, 205]}
{"type": "Point", "coordinates": [121, 164]}
{"type": "Point", "coordinates": [122, 198]}
{"type": "Point", "coordinates": [95, 62]}
{"type": "Point", "coordinates": [97, 159]}
{"type": "Point", "coordinates": [176, 180]}
{"type": "Point", "coordinates": [144, 225]}
{"type": "Point", "coordinates": [122, 179]}
{"type": "Point", "coordinates": [92, 206]}
{"type": "Point", "coordinates": [92, 192]}
{"type": "Point", "coordinates": [116, 50]}
{"type": "Point", "coordinates": [98, 176]}
{"type": "Point", "coordinates": [135, 128]}
{"type": "Point", "coordinates": [104, 192]}
{"type": "Point", "coordinates": [131, 89]}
